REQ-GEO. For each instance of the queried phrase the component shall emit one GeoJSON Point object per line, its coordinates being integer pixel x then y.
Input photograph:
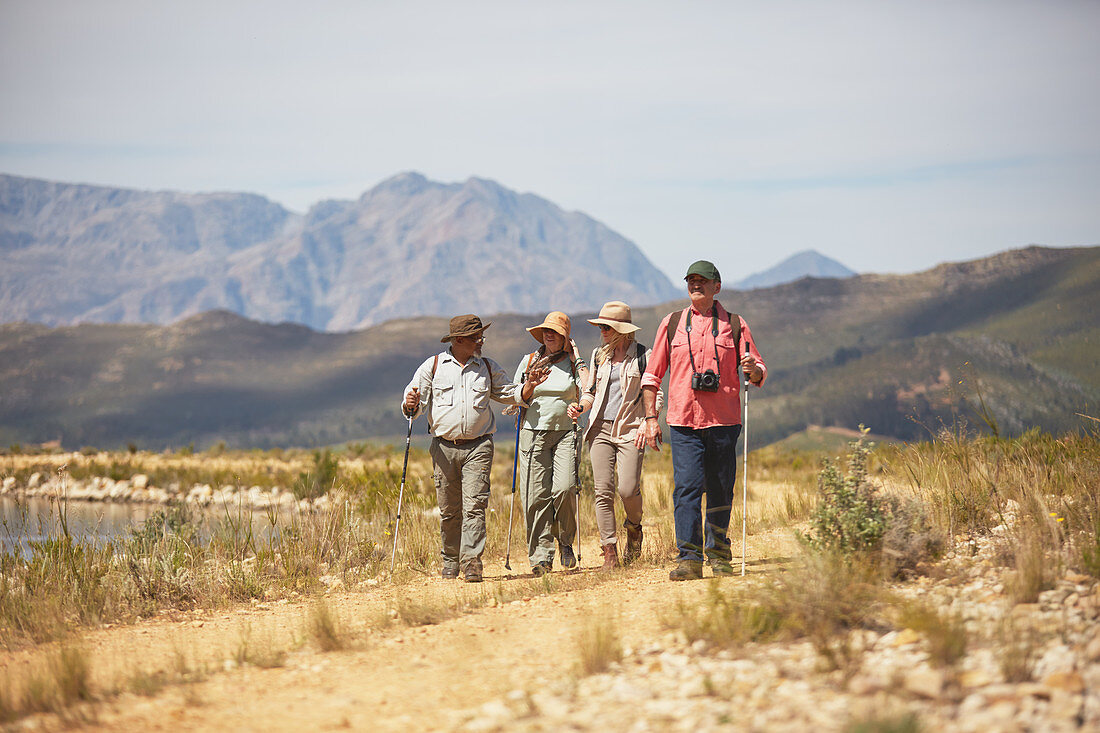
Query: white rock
{"type": "Point", "coordinates": [1092, 649]}
{"type": "Point", "coordinates": [1057, 658]}
{"type": "Point", "coordinates": [139, 481]}
{"type": "Point", "coordinates": [925, 682]}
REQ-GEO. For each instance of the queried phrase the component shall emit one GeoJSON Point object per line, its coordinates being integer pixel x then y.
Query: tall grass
{"type": "Point", "coordinates": [1041, 492]}
{"type": "Point", "coordinates": [184, 559]}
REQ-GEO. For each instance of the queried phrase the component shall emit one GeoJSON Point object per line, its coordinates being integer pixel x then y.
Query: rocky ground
{"type": "Point", "coordinates": [512, 660]}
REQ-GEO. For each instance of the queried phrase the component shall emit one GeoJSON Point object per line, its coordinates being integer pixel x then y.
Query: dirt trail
{"type": "Point", "coordinates": [389, 678]}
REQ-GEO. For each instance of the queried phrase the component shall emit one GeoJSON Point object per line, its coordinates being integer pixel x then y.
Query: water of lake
{"type": "Point", "coordinates": [33, 520]}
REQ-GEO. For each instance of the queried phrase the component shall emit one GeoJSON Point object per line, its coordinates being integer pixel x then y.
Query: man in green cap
{"type": "Point", "coordinates": [701, 347]}
{"type": "Point", "coordinates": [455, 387]}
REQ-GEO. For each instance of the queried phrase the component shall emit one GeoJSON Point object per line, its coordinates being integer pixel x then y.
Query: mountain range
{"type": "Point", "coordinates": [1007, 342]}
{"type": "Point", "coordinates": [409, 246]}
{"type": "Point", "coordinates": [807, 263]}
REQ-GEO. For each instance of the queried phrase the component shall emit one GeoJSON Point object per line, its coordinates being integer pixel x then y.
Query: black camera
{"type": "Point", "coordinates": [705, 382]}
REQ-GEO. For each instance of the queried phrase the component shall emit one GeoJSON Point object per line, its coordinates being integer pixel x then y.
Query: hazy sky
{"type": "Point", "coordinates": [888, 135]}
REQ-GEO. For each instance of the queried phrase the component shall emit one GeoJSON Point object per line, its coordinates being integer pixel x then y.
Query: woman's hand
{"type": "Point", "coordinates": [535, 377]}
{"type": "Point", "coordinates": [574, 411]}
{"type": "Point", "coordinates": [651, 432]}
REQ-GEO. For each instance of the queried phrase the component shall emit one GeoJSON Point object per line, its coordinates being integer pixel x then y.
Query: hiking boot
{"type": "Point", "coordinates": [449, 573]}
{"type": "Point", "coordinates": [541, 568]}
{"type": "Point", "coordinates": [687, 570]}
{"type": "Point", "coordinates": [633, 543]}
{"type": "Point", "coordinates": [610, 558]}
{"type": "Point", "coordinates": [721, 568]}
{"type": "Point", "coordinates": [473, 575]}
{"type": "Point", "coordinates": [568, 559]}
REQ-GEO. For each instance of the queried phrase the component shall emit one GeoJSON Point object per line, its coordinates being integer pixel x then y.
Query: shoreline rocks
{"type": "Point", "coordinates": [139, 490]}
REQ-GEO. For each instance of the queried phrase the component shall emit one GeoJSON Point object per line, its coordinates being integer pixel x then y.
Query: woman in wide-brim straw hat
{"type": "Point", "coordinates": [612, 396]}
{"type": "Point", "coordinates": [548, 448]}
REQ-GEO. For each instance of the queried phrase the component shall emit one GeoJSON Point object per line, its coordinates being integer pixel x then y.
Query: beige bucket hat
{"type": "Point", "coordinates": [617, 315]}
{"type": "Point", "coordinates": [556, 321]}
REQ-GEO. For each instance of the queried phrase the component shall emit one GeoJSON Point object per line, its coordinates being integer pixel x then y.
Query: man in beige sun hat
{"type": "Point", "coordinates": [615, 434]}
{"type": "Point", "coordinates": [455, 387]}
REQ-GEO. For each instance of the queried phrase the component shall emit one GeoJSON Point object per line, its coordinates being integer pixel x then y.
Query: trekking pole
{"type": "Point", "coordinates": [401, 494]}
{"type": "Point", "coordinates": [512, 505]}
{"type": "Point", "coordinates": [745, 467]}
{"type": "Point", "coordinates": [577, 483]}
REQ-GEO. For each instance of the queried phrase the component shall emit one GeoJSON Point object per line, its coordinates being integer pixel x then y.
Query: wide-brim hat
{"type": "Point", "coordinates": [467, 325]}
{"type": "Point", "coordinates": [556, 321]}
{"type": "Point", "coordinates": [617, 315]}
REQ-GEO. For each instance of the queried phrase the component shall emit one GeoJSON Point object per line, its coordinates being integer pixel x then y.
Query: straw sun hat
{"type": "Point", "coordinates": [617, 315]}
{"type": "Point", "coordinates": [556, 321]}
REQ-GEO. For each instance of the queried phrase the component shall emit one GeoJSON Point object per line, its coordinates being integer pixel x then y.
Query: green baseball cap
{"type": "Point", "coordinates": [702, 268]}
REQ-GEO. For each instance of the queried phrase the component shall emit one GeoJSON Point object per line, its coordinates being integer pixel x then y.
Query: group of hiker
{"type": "Point", "coordinates": [619, 388]}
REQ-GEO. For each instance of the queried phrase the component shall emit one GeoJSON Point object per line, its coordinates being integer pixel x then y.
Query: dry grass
{"type": "Point", "coordinates": [1019, 649]}
{"type": "Point", "coordinates": [822, 598]}
{"type": "Point", "coordinates": [598, 642]}
{"type": "Point", "coordinates": [326, 628]}
{"type": "Point", "coordinates": [1043, 491]}
{"type": "Point", "coordinates": [945, 635]}
{"type": "Point", "coordinates": [890, 723]}
{"type": "Point", "coordinates": [56, 685]}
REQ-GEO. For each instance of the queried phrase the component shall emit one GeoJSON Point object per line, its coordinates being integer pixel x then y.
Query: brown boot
{"type": "Point", "coordinates": [610, 557]}
{"type": "Point", "coordinates": [633, 543]}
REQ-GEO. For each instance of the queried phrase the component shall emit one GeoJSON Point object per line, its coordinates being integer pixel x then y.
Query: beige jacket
{"type": "Point", "coordinates": [632, 410]}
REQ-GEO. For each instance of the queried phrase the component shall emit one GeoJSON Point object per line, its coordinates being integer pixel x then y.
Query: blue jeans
{"type": "Point", "coordinates": [704, 463]}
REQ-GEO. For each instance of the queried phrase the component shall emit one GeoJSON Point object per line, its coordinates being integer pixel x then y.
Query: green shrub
{"type": "Point", "coordinates": [850, 516]}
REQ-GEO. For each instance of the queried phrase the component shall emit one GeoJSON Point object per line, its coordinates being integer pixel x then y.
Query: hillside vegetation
{"type": "Point", "coordinates": [1006, 343]}
{"type": "Point", "coordinates": [944, 585]}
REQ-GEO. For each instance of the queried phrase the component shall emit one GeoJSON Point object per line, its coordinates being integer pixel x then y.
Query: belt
{"type": "Point", "coordinates": [459, 442]}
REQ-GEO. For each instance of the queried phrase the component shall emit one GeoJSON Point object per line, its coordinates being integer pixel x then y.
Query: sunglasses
{"type": "Point", "coordinates": [605, 327]}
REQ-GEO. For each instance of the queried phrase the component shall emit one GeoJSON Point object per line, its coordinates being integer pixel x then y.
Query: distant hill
{"type": "Point", "coordinates": [407, 247]}
{"type": "Point", "coordinates": [903, 354]}
{"type": "Point", "coordinates": [807, 263]}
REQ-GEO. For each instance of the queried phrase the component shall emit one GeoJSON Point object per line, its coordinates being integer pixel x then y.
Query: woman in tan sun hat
{"type": "Point", "coordinates": [612, 394]}
{"type": "Point", "coordinates": [547, 445]}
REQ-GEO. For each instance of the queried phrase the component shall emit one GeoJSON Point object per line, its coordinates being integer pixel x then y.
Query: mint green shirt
{"type": "Point", "coordinates": [546, 408]}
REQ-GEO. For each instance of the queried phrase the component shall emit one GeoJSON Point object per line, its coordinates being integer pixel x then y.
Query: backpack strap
{"type": "Point", "coordinates": [736, 332]}
{"type": "Point", "coordinates": [641, 369]}
{"type": "Point", "coordinates": [435, 365]}
{"type": "Point", "coordinates": [592, 389]}
{"type": "Point", "coordinates": [673, 324]}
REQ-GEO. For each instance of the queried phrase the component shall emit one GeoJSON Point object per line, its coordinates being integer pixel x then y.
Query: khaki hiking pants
{"type": "Point", "coordinates": [549, 498]}
{"type": "Point", "coordinates": [462, 490]}
{"type": "Point", "coordinates": [611, 457]}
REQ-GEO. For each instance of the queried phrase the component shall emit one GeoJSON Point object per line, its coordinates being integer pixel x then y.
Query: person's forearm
{"type": "Point", "coordinates": [649, 399]}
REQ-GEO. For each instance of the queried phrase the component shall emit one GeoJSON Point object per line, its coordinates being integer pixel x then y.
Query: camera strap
{"type": "Point", "coordinates": [714, 337]}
